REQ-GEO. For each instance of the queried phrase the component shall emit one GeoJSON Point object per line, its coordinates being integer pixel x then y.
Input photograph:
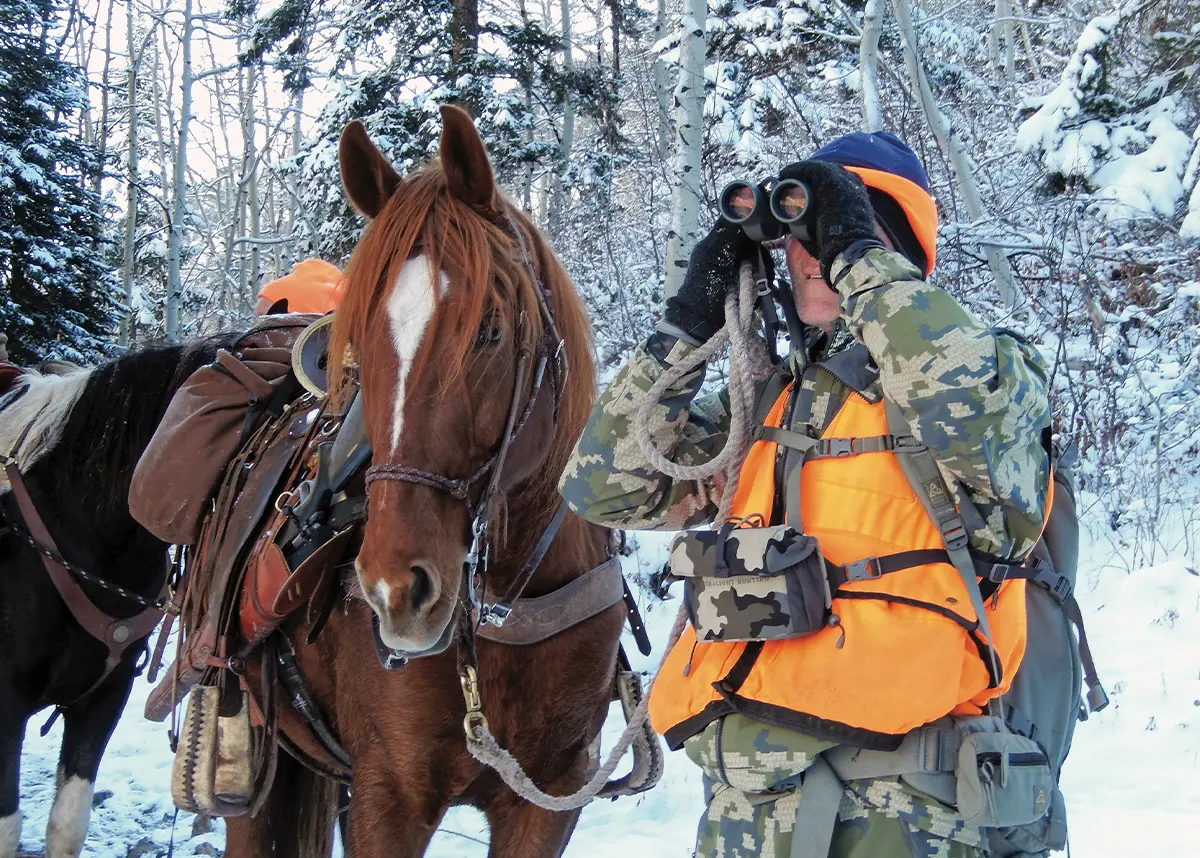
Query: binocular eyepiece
{"type": "Point", "coordinates": [765, 212]}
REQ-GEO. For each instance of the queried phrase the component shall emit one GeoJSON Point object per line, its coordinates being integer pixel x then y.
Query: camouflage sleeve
{"type": "Point", "coordinates": [608, 480]}
{"type": "Point", "coordinates": [976, 396]}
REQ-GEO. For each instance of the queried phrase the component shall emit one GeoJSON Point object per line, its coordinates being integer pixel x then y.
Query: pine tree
{"type": "Point", "coordinates": [57, 296]}
{"type": "Point", "coordinates": [395, 61]}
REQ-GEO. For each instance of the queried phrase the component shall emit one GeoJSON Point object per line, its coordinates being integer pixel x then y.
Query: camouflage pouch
{"type": "Point", "coordinates": [752, 583]}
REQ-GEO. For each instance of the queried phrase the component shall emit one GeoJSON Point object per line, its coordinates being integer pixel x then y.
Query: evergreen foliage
{"type": "Point", "coordinates": [57, 294]}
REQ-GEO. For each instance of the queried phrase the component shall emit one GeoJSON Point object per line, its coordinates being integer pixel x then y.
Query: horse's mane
{"type": "Point", "coordinates": [114, 417]}
{"type": "Point", "coordinates": [483, 260]}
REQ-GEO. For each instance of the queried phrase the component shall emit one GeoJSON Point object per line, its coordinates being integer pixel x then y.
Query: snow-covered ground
{"type": "Point", "coordinates": [1132, 782]}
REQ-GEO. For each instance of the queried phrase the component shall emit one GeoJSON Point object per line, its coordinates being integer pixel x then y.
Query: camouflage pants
{"type": "Point", "coordinates": [753, 777]}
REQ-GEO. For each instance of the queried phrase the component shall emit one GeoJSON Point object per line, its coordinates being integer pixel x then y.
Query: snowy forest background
{"type": "Point", "coordinates": [161, 159]}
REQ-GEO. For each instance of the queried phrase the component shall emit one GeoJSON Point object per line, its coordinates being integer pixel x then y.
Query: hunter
{"type": "Point", "coordinates": [899, 644]}
{"type": "Point", "coordinates": [312, 286]}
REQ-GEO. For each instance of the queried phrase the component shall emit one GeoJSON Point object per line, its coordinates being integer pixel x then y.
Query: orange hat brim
{"type": "Point", "coordinates": [918, 206]}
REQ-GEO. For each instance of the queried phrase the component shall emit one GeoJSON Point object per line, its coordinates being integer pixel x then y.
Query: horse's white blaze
{"type": "Point", "coordinates": [409, 309]}
{"type": "Point", "coordinates": [382, 593]}
{"type": "Point", "coordinates": [43, 410]}
{"type": "Point", "coordinates": [10, 835]}
{"type": "Point", "coordinates": [69, 818]}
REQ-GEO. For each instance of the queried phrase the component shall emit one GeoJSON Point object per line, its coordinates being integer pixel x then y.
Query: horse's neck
{"type": "Point", "coordinates": [577, 548]}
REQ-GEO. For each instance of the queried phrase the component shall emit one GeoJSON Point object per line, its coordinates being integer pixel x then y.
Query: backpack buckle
{"type": "Point", "coordinates": [838, 448]}
{"type": "Point", "coordinates": [954, 534]}
{"type": "Point", "coordinates": [1061, 588]}
{"type": "Point", "coordinates": [998, 573]}
{"type": "Point", "coordinates": [866, 569]}
{"type": "Point", "coordinates": [1018, 722]}
{"type": "Point", "coordinates": [907, 444]}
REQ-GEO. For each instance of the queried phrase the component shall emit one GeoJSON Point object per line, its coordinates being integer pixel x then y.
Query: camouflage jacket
{"type": "Point", "coordinates": [976, 396]}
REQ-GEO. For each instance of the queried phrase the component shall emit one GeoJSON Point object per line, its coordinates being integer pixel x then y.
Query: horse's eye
{"type": "Point", "coordinates": [490, 334]}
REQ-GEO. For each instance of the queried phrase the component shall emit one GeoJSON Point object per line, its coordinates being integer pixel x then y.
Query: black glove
{"type": "Point", "coordinates": [699, 306]}
{"type": "Point", "coordinates": [842, 210]}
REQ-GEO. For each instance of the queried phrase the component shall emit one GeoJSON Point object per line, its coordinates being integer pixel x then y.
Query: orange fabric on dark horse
{"type": "Point", "coordinates": [441, 307]}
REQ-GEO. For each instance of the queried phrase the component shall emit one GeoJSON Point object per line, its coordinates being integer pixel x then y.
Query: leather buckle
{"type": "Point", "coordinates": [866, 569]}
{"type": "Point", "coordinates": [838, 448]}
{"type": "Point", "coordinates": [495, 615]}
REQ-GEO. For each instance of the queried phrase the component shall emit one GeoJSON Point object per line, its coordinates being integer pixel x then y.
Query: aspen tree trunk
{"type": "Point", "coordinates": [1001, 30]}
{"type": "Point", "coordinates": [124, 337]}
{"type": "Point", "coordinates": [952, 147]}
{"type": "Point", "coordinates": [102, 126]}
{"type": "Point", "coordinates": [179, 185]}
{"type": "Point", "coordinates": [1035, 68]}
{"type": "Point", "coordinates": [868, 65]}
{"type": "Point", "coordinates": [662, 84]}
{"type": "Point", "coordinates": [689, 109]}
{"type": "Point", "coordinates": [250, 167]}
{"type": "Point", "coordinates": [527, 135]}
{"type": "Point", "coordinates": [614, 9]}
{"type": "Point", "coordinates": [568, 127]}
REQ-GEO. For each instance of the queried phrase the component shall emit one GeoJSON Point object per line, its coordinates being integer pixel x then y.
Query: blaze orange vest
{"type": "Point", "coordinates": [906, 649]}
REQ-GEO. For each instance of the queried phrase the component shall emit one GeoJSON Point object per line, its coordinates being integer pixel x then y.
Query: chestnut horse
{"type": "Point", "coordinates": [443, 303]}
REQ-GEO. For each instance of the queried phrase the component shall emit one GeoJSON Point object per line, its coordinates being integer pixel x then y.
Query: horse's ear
{"type": "Point", "coordinates": [465, 161]}
{"type": "Point", "coordinates": [366, 175]}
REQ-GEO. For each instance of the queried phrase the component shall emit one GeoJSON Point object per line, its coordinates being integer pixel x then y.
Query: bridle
{"type": "Point", "coordinates": [551, 357]}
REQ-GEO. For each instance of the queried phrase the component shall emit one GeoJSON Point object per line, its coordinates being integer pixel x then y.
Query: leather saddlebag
{"type": "Point", "coordinates": [210, 417]}
{"type": "Point", "coordinates": [214, 763]}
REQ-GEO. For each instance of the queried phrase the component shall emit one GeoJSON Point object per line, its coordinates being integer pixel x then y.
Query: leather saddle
{"type": "Point", "coordinates": [287, 512]}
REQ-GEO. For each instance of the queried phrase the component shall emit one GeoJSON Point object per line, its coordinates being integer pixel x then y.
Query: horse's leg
{"type": "Point", "coordinates": [12, 733]}
{"type": "Point", "coordinates": [383, 823]}
{"type": "Point", "coordinates": [87, 727]}
{"type": "Point", "coordinates": [295, 822]}
{"type": "Point", "coordinates": [524, 830]}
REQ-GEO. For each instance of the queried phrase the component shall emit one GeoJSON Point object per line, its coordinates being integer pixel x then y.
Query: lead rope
{"type": "Point", "coordinates": [747, 364]}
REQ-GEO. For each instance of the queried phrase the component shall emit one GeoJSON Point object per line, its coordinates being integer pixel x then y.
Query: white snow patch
{"type": "Point", "coordinates": [1130, 781]}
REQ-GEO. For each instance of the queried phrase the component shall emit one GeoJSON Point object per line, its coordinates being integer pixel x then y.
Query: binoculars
{"type": "Point", "coordinates": [766, 211]}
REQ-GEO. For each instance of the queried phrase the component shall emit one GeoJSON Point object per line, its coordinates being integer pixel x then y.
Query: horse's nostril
{"type": "Point", "coordinates": [422, 588]}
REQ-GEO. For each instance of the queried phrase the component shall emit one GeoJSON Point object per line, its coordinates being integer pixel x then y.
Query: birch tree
{"type": "Point", "coordinates": [662, 82]}
{"type": "Point", "coordinates": [952, 147]}
{"type": "Point", "coordinates": [689, 132]}
{"type": "Point", "coordinates": [567, 139]}
{"type": "Point", "coordinates": [868, 65]}
{"type": "Point", "coordinates": [179, 180]}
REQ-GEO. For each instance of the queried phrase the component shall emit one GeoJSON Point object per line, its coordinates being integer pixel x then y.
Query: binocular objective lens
{"type": "Point", "coordinates": [739, 202]}
{"type": "Point", "coordinates": [791, 202]}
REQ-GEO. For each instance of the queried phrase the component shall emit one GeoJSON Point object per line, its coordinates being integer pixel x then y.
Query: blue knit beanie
{"type": "Point", "coordinates": [887, 153]}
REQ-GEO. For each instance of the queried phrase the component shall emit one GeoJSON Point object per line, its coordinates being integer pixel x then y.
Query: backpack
{"type": "Point", "coordinates": [1000, 769]}
{"type": "Point", "coordinates": [1046, 696]}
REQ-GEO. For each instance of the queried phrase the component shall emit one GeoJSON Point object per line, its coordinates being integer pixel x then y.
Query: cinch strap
{"type": "Point", "coordinates": [816, 814]}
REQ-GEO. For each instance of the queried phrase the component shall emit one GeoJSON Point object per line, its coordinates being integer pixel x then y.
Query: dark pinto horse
{"type": "Point", "coordinates": [76, 438]}
{"type": "Point", "coordinates": [442, 307]}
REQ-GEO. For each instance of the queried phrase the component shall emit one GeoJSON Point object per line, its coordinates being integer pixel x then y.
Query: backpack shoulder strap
{"type": "Point", "coordinates": [921, 470]}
